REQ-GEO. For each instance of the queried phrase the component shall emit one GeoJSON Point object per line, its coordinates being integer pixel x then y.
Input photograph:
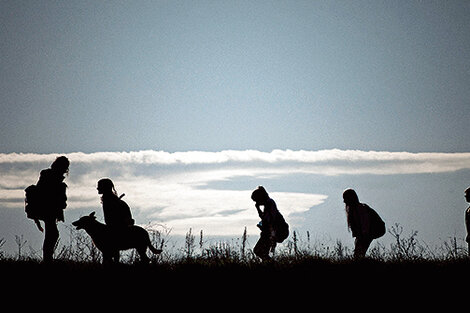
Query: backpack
{"type": "Point", "coordinates": [377, 225]}
{"type": "Point", "coordinates": [32, 201]}
{"type": "Point", "coordinates": [281, 228]}
{"type": "Point", "coordinates": [125, 211]}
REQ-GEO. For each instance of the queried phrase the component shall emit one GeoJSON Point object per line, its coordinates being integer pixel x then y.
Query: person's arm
{"type": "Point", "coordinates": [260, 213]}
{"type": "Point", "coordinates": [364, 217]}
{"type": "Point", "coordinates": [38, 224]}
{"type": "Point", "coordinates": [270, 211]}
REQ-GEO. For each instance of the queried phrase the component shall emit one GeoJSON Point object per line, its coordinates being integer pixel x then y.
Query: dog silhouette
{"type": "Point", "coordinates": [110, 241]}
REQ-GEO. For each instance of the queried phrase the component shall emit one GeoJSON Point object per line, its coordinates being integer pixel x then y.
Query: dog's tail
{"type": "Point", "coordinates": [154, 250]}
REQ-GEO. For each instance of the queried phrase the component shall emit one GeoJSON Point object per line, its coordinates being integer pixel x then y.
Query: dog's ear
{"type": "Point", "coordinates": [92, 214]}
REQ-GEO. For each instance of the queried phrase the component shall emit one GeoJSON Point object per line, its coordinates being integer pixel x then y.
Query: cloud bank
{"type": "Point", "coordinates": [174, 189]}
{"type": "Point", "coordinates": [327, 162]}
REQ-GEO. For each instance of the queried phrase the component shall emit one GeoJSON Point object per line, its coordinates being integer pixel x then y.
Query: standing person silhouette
{"type": "Point", "coordinates": [53, 201]}
{"type": "Point", "coordinates": [267, 240]}
{"type": "Point", "coordinates": [117, 214]}
{"type": "Point", "coordinates": [361, 221]}
{"type": "Point", "coordinates": [467, 218]}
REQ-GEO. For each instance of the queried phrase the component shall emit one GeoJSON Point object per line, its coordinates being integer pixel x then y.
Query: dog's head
{"type": "Point", "coordinates": [84, 221]}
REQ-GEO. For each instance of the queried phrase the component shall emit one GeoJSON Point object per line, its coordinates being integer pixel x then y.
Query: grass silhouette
{"type": "Point", "coordinates": [404, 248]}
{"type": "Point", "coordinates": [406, 266]}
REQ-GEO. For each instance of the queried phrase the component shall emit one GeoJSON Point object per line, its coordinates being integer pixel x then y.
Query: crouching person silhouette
{"type": "Point", "coordinates": [119, 233]}
{"type": "Point", "coordinates": [117, 214]}
{"type": "Point", "coordinates": [274, 228]}
{"type": "Point", "coordinates": [364, 223]}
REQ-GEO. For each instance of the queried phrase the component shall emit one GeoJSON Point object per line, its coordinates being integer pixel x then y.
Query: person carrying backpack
{"type": "Point", "coordinates": [364, 223]}
{"type": "Point", "coordinates": [46, 201]}
{"type": "Point", "coordinates": [274, 228]}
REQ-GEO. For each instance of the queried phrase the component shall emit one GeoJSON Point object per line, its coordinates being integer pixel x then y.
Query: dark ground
{"type": "Point", "coordinates": [338, 283]}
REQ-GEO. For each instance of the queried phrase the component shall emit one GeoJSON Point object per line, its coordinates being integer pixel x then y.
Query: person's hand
{"type": "Point", "coordinates": [38, 224]}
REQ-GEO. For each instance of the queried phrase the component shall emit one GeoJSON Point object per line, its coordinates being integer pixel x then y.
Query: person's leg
{"type": "Point", "coordinates": [50, 239]}
{"type": "Point", "coordinates": [361, 245]}
{"type": "Point", "coordinates": [272, 246]}
{"type": "Point", "coordinates": [263, 247]}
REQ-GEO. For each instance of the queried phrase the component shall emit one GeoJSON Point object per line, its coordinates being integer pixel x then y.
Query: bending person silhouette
{"type": "Point", "coordinates": [467, 218]}
{"type": "Point", "coordinates": [53, 200]}
{"type": "Point", "coordinates": [117, 214]}
{"type": "Point", "coordinates": [267, 240]}
{"type": "Point", "coordinates": [364, 223]}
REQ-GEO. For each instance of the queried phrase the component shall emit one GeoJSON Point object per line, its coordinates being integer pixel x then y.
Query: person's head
{"type": "Point", "coordinates": [105, 186]}
{"type": "Point", "coordinates": [61, 165]}
{"type": "Point", "coordinates": [260, 196]}
{"type": "Point", "coordinates": [350, 197]}
{"type": "Point", "coordinates": [467, 194]}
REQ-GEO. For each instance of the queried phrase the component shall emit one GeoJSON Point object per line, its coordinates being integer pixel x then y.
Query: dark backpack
{"type": "Point", "coordinates": [32, 201]}
{"type": "Point", "coordinates": [281, 228]}
{"type": "Point", "coordinates": [377, 225]}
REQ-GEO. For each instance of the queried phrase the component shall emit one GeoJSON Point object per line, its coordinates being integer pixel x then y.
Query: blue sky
{"type": "Point", "coordinates": [213, 75]}
{"type": "Point", "coordinates": [181, 76]}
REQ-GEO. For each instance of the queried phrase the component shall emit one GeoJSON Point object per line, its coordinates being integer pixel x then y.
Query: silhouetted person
{"type": "Point", "coordinates": [467, 218]}
{"type": "Point", "coordinates": [117, 214]}
{"type": "Point", "coordinates": [53, 202]}
{"type": "Point", "coordinates": [364, 223]}
{"type": "Point", "coordinates": [267, 240]}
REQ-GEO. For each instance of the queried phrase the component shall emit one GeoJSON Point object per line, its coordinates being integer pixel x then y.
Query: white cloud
{"type": "Point", "coordinates": [174, 188]}
{"type": "Point", "coordinates": [433, 161]}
